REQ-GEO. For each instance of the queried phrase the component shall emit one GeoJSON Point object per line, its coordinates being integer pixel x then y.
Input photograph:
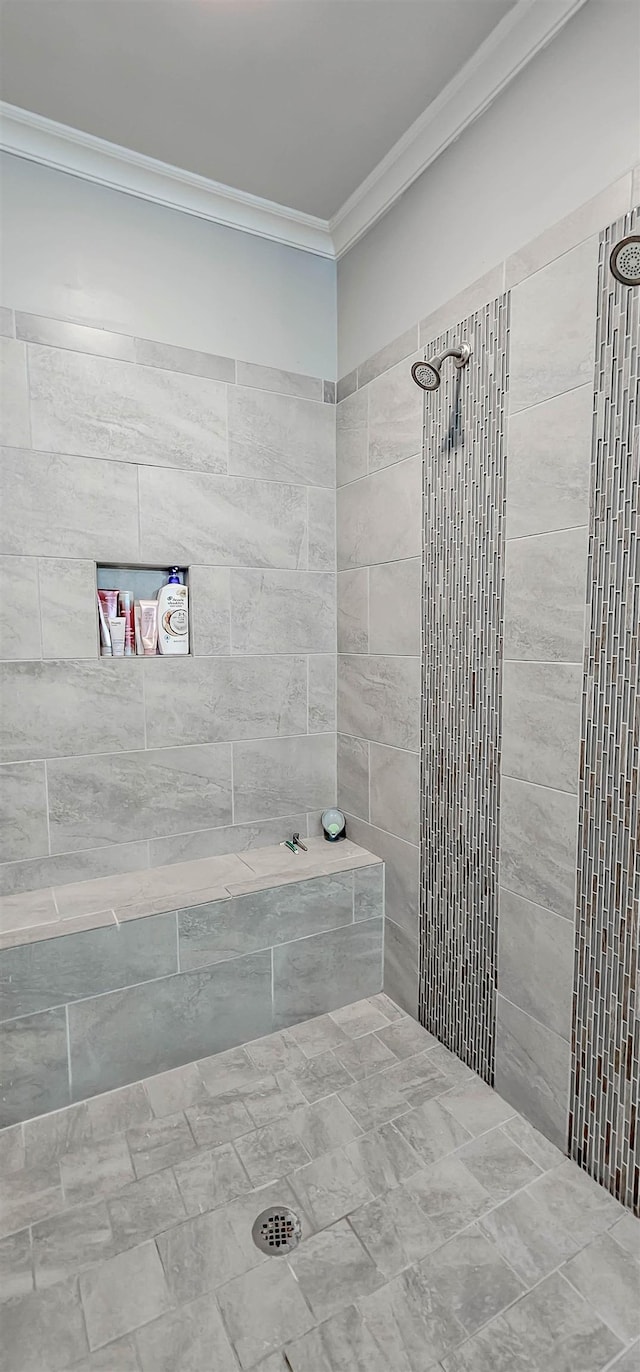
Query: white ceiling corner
{"type": "Point", "coordinates": [516, 39]}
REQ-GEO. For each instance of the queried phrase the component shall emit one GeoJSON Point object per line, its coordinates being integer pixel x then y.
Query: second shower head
{"type": "Point", "coordinates": [428, 375]}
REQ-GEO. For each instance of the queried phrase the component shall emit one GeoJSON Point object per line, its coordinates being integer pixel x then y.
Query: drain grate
{"type": "Point", "coordinates": [276, 1231]}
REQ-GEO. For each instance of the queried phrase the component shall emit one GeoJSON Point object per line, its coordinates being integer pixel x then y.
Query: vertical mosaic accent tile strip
{"type": "Point", "coordinates": [463, 561]}
{"type": "Point", "coordinates": [603, 1120]}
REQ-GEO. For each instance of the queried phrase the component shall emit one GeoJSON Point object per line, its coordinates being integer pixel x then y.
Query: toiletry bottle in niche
{"type": "Point", "coordinates": [173, 616]}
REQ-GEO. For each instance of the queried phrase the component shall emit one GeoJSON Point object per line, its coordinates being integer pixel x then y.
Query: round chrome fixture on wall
{"type": "Point", "coordinates": [625, 260]}
{"type": "Point", "coordinates": [428, 375]}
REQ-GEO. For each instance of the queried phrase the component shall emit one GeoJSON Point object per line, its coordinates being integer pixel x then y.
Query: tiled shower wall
{"type": "Point", "coordinates": [127, 451]}
{"type": "Point", "coordinates": [552, 286]}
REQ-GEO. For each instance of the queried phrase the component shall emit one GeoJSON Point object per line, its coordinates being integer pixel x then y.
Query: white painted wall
{"type": "Point", "coordinates": [82, 252]}
{"type": "Point", "coordinates": [566, 127]}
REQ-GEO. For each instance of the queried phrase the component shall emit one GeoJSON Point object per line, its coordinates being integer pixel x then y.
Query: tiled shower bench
{"type": "Point", "coordinates": [108, 981]}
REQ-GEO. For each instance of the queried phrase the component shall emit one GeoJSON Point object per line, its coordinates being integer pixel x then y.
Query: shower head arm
{"type": "Point", "coordinates": [460, 356]}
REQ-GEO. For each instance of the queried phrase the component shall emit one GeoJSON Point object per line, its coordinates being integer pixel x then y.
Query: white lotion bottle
{"type": "Point", "coordinates": [173, 616]}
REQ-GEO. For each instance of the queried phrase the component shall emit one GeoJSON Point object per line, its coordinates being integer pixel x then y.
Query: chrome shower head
{"type": "Point", "coordinates": [625, 260]}
{"type": "Point", "coordinates": [428, 375]}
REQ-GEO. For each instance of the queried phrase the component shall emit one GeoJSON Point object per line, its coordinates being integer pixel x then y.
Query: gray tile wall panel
{"type": "Point", "coordinates": [605, 1090]}
{"type": "Point", "coordinates": [464, 510]}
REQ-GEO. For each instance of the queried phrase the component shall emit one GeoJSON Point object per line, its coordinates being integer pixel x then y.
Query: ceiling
{"type": "Point", "coordinates": [296, 101]}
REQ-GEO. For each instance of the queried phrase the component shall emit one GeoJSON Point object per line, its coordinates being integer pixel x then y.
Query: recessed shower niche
{"type": "Point", "coordinates": [131, 595]}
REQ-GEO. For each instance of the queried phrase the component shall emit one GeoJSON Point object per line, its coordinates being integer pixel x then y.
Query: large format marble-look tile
{"type": "Point", "coordinates": [274, 379]}
{"type": "Point", "coordinates": [170, 1021]}
{"type": "Point", "coordinates": [321, 668]}
{"type": "Point", "coordinates": [394, 791]}
{"type": "Point", "coordinates": [115, 797]}
{"type": "Point", "coordinates": [551, 1329]}
{"type": "Point", "coordinates": [395, 590]}
{"type": "Point", "coordinates": [200, 1254]}
{"type": "Point", "coordinates": [27, 1195]}
{"type": "Point", "coordinates": [584, 1208]}
{"type": "Point", "coordinates": [380, 518]}
{"type": "Point", "coordinates": [23, 811]}
{"type": "Point", "coordinates": [34, 1075]}
{"type": "Point", "coordinates": [173, 359]}
{"type": "Point", "coordinates": [282, 612]}
{"type": "Point", "coordinates": [333, 1269]}
{"type": "Point", "coordinates": [541, 705]}
{"type": "Point", "coordinates": [271, 1151]}
{"type": "Point", "coordinates": [327, 970]}
{"type": "Point", "coordinates": [43, 1329]}
{"type": "Point", "coordinates": [379, 698]}
{"type": "Point", "coordinates": [95, 1170]}
{"type": "Point", "coordinates": [71, 1241]}
{"type": "Point", "coordinates": [395, 417]}
{"type": "Point", "coordinates": [529, 1236]}
{"type": "Point", "coordinates": [159, 1143]}
{"type": "Point", "coordinates": [19, 609]}
{"type": "Point", "coordinates": [544, 605]}
{"type": "Point", "coordinates": [535, 961]}
{"type": "Point", "coordinates": [262, 1310]}
{"type": "Point", "coordinates": [532, 1070]}
{"type": "Point", "coordinates": [431, 1131]}
{"type": "Point", "coordinates": [214, 700]}
{"type": "Point", "coordinates": [14, 430]}
{"type": "Point", "coordinates": [280, 437]}
{"type": "Point", "coordinates": [402, 871]}
{"type": "Point", "coordinates": [126, 1291]}
{"type": "Point", "coordinates": [223, 929]}
{"type": "Point", "coordinates": [54, 506]}
{"type": "Point", "coordinates": [498, 1164]}
{"type": "Point", "coordinates": [210, 595]}
{"type": "Point", "coordinates": [351, 437]}
{"type": "Point", "coordinates": [37, 976]}
{"type": "Point", "coordinates": [16, 1265]}
{"type": "Point", "coordinates": [353, 775]}
{"type": "Point", "coordinates": [145, 1208]}
{"type": "Point", "coordinates": [323, 1126]}
{"type": "Point", "coordinates": [549, 464]}
{"type": "Point", "coordinates": [282, 775]}
{"type": "Point", "coordinates": [552, 328]}
{"type": "Point", "coordinates": [227, 521]}
{"type": "Point", "coordinates": [353, 611]}
{"type": "Point", "coordinates": [56, 708]}
{"type": "Point", "coordinates": [340, 1344]}
{"type": "Point", "coordinates": [68, 608]}
{"type": "Point", "coordinates": [538, 844]}
{"type": "Point", "coordinates": [330, 1187]}
{"type": "Point", "coordinates": [209, 1179]}
{"type": "Point", "coordinates": [368, 892]}
{"type": "Point", "coordinates": [188, 1339]}
{"type": "Point", "coordinates": [610, 1281]}
{"type": "Point", "coordinates": [401, 975]}
{"type": "Point", "coordinates": [321, 553]}
{"type": "Point", "coordinates": [98, 407]}
{"type": "Point", "coordinates": [58, 333]}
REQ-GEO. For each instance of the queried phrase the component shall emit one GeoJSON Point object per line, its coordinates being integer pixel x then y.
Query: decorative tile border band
{"type": "Point", "coordinates": [603, 1120]}
{"type": "Point", "coordinates": [463, 559]}
{"type": "Point", "coordinates": [61, 333]}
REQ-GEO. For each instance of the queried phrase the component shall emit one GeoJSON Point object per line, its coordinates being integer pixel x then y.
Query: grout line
{"type": "Point", "coordinates": [547, 533]}
{"type": "Point", "coordinates": [68, 1044]}
{"type": "Point", "coordinates": [526, 781]}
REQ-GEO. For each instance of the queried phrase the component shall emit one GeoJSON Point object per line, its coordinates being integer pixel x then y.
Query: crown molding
{"type": "Point", "coordinates": [42, 140]}
{"type": "Point", "coordinates": [527, 28]}
{"type": "Point", "coordinates": [523, 32]}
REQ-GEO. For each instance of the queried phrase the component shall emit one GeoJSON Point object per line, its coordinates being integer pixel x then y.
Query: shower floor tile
{"type": "Point", "coordinates": [439, 1230]}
